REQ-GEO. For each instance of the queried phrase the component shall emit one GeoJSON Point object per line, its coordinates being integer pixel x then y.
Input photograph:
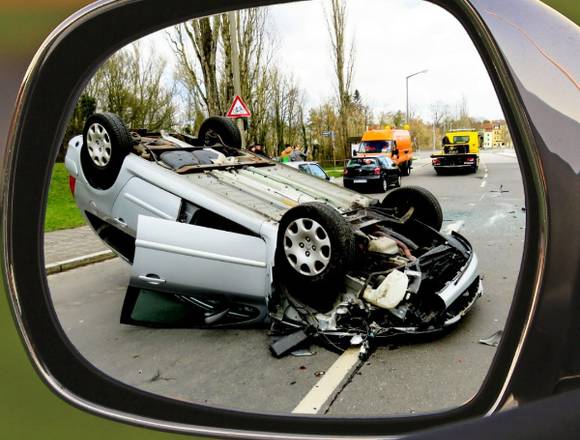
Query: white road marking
{"type": "Point", "coordinates": [483, 184]}
{"type": "Point", "coordinates": [454, 226]}
{"type": "Point", "coordinates": [325, 388]}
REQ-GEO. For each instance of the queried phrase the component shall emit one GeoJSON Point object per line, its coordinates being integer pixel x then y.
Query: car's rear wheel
{"type": "Point", "coordinates": [220, 130]}
{"type": "Point", "coordinates": [106, 143]}
{"type": "Point", "coordinates": [397, 182]}
{"type": "Point", "coordinates": [315, 248]}
{"type": "Point", "coordinates": [384, 185]}
{"type": "Point", "coordinates": [406, 169]}
{"type": "Point", "coordinates": [425, 206]}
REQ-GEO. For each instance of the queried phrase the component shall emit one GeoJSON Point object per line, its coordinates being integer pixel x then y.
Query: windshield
{"type": "Point", "coordinates": [375, 146]}
{"type": "Point", "coordinates": [460, 139]}
{"type": "Point", "coordinates": [362, 161]}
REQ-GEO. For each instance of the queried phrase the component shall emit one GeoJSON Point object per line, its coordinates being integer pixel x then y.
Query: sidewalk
{"type": "Point", "coordinates": [72, 248]}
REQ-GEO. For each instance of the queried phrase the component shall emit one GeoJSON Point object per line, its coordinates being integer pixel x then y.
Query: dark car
{"type": "Point", "coordinates": [377, 173]}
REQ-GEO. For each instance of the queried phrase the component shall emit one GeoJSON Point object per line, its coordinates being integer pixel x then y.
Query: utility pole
{"type": "Point", "coordinates": [407, 90]}
{"type": "Point", "coordinates": [232, 18]}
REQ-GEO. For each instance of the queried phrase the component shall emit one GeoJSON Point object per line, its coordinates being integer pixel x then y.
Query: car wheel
{"type": "Point", "coordinates": [397, 183]}
{"type": "Point", "coordinates": [106, 143]}
{"type": "Point", "coordinates": [220, 130]}
{"type": "Point", "coordinates": [426, 207]}
{"type": "Point", "coordinates": [438, 171]}
{"type": "Point", "coordinates": [384, 184]}
{"type": "Point", "coordinates": [405, 169]}
{"type": "Point", "coordinates": [315, 248]}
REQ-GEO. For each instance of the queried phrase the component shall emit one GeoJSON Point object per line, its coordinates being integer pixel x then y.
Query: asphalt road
{"type": "Point", "coordinates": [234, 369]}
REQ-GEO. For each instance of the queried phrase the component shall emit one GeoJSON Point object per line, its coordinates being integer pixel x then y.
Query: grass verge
{"type": "Point", "coordinates": [61, 211]}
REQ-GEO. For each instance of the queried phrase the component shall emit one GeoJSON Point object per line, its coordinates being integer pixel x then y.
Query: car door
{"type": "Point", "coordinates": [193, 260]}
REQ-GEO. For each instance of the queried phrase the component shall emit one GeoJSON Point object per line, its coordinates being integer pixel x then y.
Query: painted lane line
{"type": "Point", "coordinates": [483, 184]}
{"type": "Point", "coordinates": [329, 384]}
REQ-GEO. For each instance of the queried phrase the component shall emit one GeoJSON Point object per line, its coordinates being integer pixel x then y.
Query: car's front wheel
{"type": "Point", "coordinates": [106, 143]}
{"type": "Point", "coordinates": [315, 248]}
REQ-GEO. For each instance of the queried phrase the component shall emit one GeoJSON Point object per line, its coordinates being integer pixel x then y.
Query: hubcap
{"type": "Point", "coordinates": [99, 145]}
{"type": "Point", "coordinates": [307, 246]}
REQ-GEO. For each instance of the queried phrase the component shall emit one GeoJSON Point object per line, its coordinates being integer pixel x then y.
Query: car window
{"type": "Point", "coordinates": [386, 162]}
{"type": "Point", "coordinates": [315, 170]}
{"type": "Point", "coordinates": [362, 161]}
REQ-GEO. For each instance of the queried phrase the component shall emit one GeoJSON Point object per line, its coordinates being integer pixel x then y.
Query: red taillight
{"type": "Point", "coordinates": [345, 172]}
{"type": "Point", "coordinates": [72, 184]}
{"type": "Point", "coordinates": [377, 170]}
{"type": "Point", "coordinates": [436, 161]}
{"type": "Point", "coordinates": [471, 159]}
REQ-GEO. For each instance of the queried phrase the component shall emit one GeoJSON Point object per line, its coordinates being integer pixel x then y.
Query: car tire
{"type": "Point", "coordinates": [427, 208]}
{"type": "Point", "coordinates": [438, 171]}
{"type": "Point", "coordinates": [316, 246]}
{"type": "Point", "coordinates": [397, 183]}
{"type": "Point", "coordinates": [384, 185]}
{"type": "Point", "coordinates": [405, 169]}
{"type": "Point", "coordinates": [106, 143]}
{"type": "Point", "coordinates": [220, 130]}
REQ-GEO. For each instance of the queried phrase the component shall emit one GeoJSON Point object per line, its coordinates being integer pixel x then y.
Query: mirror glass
{"type": "Point", "coordinates": [309, 208]}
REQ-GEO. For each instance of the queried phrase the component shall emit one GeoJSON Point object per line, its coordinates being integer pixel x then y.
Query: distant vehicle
{"type": "Point", "coordinates": [379, 173]}
{"type": "Point", "coordinates": [392, 142]}
{"type": "Point", "coordinates": [459, 150]}
{"type": "Point", "coordinates": [312, 168]}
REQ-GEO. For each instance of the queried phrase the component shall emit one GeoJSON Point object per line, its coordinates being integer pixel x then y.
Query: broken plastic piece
{"type": "Point", "coordinates": [384, 245]}
{"type": "Point", "coordinates": [287, 343]}
{"type": "Point", "coordinates": [356, 340]}
{"type": "Point", "coordinates": [493, 340]}
{"type": "Point", "coordinates": [390, 292]}
{"type": "Point", "coordinates": [303, 352]}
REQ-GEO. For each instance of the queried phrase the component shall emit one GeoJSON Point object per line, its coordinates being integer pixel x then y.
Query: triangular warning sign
{"type": "Point", "coordinates": [239, 109]}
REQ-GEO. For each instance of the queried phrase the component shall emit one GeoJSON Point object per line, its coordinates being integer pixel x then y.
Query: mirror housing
{"type": "Point", "coordinates": [25, 188]}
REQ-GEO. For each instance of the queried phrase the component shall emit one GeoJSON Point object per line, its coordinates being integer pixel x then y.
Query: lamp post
{"type": "Point", "coordinates": [407, 89]}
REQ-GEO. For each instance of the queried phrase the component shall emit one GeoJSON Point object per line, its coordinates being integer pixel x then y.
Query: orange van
{"type": "Point", "coordinates": [392, 142]}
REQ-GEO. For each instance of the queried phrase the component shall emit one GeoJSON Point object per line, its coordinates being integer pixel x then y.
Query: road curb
{"type": "Point", "coordinates": [73, 263]}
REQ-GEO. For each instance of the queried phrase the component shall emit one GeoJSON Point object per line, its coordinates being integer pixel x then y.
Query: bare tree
{"type": "Point", "coordinates": [343, 60]}
{"type": "Point", "coordinates": [199, 74]}
{"type": "Point", "coordinates": [132, 86]}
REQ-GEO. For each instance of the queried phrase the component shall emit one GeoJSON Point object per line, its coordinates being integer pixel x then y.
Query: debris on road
{"type": "Point", "coordinates": [493, 340]}
{"type": "Point", "coordinates": [303, 352]}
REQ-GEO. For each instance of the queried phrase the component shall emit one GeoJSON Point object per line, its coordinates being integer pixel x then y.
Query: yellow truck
{"type": "Point", "coordinates": [459, 150]}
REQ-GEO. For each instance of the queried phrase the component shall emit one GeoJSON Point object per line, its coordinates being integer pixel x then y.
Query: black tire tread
{"type": "Point", "coordinates": [121, 142]}
{"type": "Point", "coordinates": [225, 127]}
{"type": "Point", "coordinates": [429, 213]}
{"type": "Point", "coordinates": [322, 286]}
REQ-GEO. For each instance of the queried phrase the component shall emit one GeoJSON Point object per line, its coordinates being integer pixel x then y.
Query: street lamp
{"type": "Point", "coordinates": [407, 84]}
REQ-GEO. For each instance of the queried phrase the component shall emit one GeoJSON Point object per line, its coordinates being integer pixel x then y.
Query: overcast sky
{"type": "Point", "coordinates": [392, 38]}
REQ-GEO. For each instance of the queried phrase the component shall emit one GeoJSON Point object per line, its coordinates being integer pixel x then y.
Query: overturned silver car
{"type": "Point", "coordinates": [241, 239]}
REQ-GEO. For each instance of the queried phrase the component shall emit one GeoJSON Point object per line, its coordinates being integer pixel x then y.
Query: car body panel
{"type": "Point", "coordinates": [178, 257]}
